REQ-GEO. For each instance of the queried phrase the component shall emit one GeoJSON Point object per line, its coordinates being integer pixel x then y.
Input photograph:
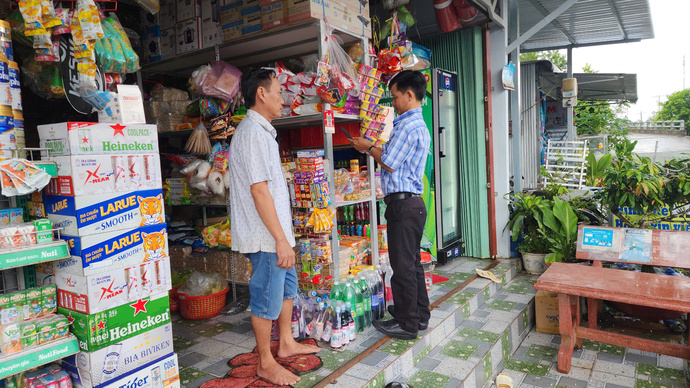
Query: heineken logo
{"type": "Point", "coordinates": [117, 146]}
{"type": "Point", "coordinates": [139, 306]}
{"type": "Point", "coordinates": [138, 327]}
{"type": "Point", "coordinates": [118, 129]}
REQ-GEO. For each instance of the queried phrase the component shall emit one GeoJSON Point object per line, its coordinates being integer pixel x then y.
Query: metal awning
{"type": "Point", "coordinates": [593, 86]}
{"type": "Point", "coordinates": [582, 23]}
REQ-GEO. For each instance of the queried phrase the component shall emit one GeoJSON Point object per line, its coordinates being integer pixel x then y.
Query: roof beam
{"type": "Point", "coordinates": [541, 24]}
{"type": "Point", "coordinates": [544, 12]}
{"type": "Point", "coordinates": [617, 15]}
{"type": "Point", "coordinates": [489, 8]}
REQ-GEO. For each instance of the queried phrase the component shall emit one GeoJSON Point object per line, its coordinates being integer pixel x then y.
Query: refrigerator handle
{"type": "Point", "coordinates": [441, 142]}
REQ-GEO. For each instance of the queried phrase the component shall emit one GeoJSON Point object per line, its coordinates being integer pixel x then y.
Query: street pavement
{"type": "Point", "coordinates": [661, 147]}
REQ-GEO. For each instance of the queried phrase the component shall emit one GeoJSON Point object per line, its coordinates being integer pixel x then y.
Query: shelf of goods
{"type": "Point", "coordinates": [283, 42]}
{"type": "Point", "coordinates": [14, 363]}
{"type": "Point", "coordinates": [33, 254]}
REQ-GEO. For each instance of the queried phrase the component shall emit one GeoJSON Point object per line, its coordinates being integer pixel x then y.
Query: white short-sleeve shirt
{"type": "Point", "coordinates": [254, 158]}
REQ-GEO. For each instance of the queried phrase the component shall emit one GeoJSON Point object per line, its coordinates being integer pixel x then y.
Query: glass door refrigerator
{"type": "Point", "coordinates": [442, 232]}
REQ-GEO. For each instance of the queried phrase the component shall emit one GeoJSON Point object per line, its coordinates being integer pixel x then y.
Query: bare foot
{"type": "Point", "coordinates": [276, 373]}
{"type": "Point", "coordinates": [293, 348]}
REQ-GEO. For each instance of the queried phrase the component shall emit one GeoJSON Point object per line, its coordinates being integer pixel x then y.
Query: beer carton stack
{"type": "Point", "coordinates": [114, 287]}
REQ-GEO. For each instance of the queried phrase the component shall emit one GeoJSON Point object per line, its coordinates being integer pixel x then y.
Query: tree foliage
{"type": "Point", "coordinates": [677, 107]}
{"type": "Point", "coordinates": [554, 56]}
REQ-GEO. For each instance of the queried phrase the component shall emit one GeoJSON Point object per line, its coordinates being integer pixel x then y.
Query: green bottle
{"type": "Point", "coordinates": [351, 296]}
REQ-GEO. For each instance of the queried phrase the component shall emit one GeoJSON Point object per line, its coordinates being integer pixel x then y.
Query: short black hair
{"type": "Point", "coordinates": [250, 82]}
{"type": "Point", "coordinates": [410, 80]}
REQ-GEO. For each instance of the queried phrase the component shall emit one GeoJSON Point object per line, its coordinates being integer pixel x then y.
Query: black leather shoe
{"type": "Point", "coordinates": [395, 331]}
{"type": "Point", "coordinates": [388, 323]}
{"type": "Point", "coordinates": [421, 325]}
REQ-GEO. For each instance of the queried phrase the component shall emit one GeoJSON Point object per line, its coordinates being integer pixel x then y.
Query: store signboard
{"type": "Point", "coordinates": [658, 220]}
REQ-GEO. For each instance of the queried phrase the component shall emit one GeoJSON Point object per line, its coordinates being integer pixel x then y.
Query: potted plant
{"type": "Point", "coordinates": [525, 222]}
{"type": "Point", "coordinates": [534, 249]}
{"type": "Point", "coordinates": [559, 228]}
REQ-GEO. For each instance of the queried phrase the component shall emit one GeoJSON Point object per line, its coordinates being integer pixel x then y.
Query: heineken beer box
{"type": "Point", "coordinates": [105, 252]}
{"type": "Point", "coordinates": [103, 329]}
{"type": "Point", "coordinates": [125, 356]}
{"type": "Point", "coordinates": [93, 174]}
{"type": "Point", "coordinates": [161, 373]}
{"type": "Point", "coordinates": [108, 212]}
{"type": "Point", "coordinates": [98, 293]}
{"type": "Point", "coordinates": [79, 138]}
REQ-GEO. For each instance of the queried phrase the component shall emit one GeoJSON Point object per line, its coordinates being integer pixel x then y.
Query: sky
{"type": "Point", "coordinates": [657, 62]}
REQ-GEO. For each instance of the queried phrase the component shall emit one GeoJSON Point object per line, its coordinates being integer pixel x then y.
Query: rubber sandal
{"type": "Point", "coordinates": [488, 275]}
{"type": "Point", "coordinates": [504, 381]}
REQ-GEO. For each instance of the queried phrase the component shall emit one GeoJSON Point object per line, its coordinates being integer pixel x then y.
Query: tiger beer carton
{"type": "Point", "coordinates": [108, 212]}
{"type": "Point", "coordinates": [126, 356]}
{"type": "Point", "coordinates": [161, 373]}
{"type": "Point", "coordinates": [101, 292]}
{"type": "Point", "coordinates": [82, 138]}
{"type": "Point", "coordinates": [93, 174]}
{"type": "Point", "coordinates": [100, 330]}
{"type": "Point", "coordinates": [98, 253]}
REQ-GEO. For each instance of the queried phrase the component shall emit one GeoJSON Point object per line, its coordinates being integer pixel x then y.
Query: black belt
{"type": "Point", "coordinates": [398, 196]}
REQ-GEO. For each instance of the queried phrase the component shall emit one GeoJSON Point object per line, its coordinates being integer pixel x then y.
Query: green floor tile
{"type": "Point", "coordinates": [651, 384]}
{"type": "Point", "coordinates": [527, 367]}
{"type": "Point", "coordinates": [450, 283]}
{"type": "Point", "coordinates": [498, 270]}
{"type": "Point", "coordinates": [478, 335]}
{"type": "Point", "coordinates": [213, 329]}
{"type": "Point", "coordinates": [525, 320]}
{"type": "Point", "coordinates": [602, 347]}
{"type": "Point", "coordinates": [506, 346]}
{"type": "Point", "coordinates": [462, 276]}
{"type": "Point", "coordinates": [192, 323]}
{"type": "Point", "coordinates": [422, 354]}
{"type": "Point", "coordinates": [398, 346]}
{"type": "Point", "coordinates": [502, 305]}
{"type": "Point", "coordinates": [335, 359]}
{"type": "Point", "coordinates": [426, 379]}
{"type": "Point", "coordinates": [459, 349]}
{"type": "Point", "coordinates": [461, 297]}
{"type": "Point", "coordinates": [518, 289]}
{"type": "Point", "coordinates": [308, 380]}
{"type": "Point", "coordinates": [487, 294]}
{"type": "Point", "coordinates": [180, 343]}
{"type": "Point", "coordinates": [189, 375]}
{"type": "Point", "coordinates": [466, 311]}
{"type": "Point", "coordinates": [377, 382]}
{"type": "Point", "coordinates": [660, 372]}
{"type": "Point", "coordinates": [541, 352]}
{"type": "Point", "coordinates": [488, 370]}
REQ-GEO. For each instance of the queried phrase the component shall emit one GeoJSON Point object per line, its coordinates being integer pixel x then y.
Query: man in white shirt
{"type": "Point", "coordinates": [262, 222]}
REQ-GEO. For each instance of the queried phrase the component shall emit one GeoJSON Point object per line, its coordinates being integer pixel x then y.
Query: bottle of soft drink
{"type": "Point", "coordinates": [388, 290]}
{"type": "Point", "coordinates": [352, 330]}
{"type": "Point", "coordinates": [336, 337]}
{"type": "Point", "coordinates": [295, 319]}
{"type": "Point", "coordinates": [336, 291]}
{"type": "Point", "coordinates": [344, 324]}
{"type": "Point", "coordinates": [328, 324]}
{"type": "Point", "coordinates": [359, 306]}
{"type": "Point", "coordinates": [351, 297]}
{"type": "Point", "coordinates": [366, 298]}
{"type": "Point", "coordinates": [374, 295]}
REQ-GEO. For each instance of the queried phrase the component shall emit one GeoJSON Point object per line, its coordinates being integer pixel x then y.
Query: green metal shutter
{"type": "Point", "coordinates": [461, 52]}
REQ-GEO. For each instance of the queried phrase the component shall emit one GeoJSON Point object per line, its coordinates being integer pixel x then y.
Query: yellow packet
{"type": "Point", "coordinates": [31, 12]}
{"type": "Point", "coordinates": [48, 15]}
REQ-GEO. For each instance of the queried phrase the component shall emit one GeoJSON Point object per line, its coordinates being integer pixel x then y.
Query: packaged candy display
{"type": "Point", "coordinates": [25, 234]}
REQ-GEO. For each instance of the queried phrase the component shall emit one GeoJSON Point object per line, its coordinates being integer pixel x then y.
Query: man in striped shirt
{"type": "Point", "coordinates": [403, 159]}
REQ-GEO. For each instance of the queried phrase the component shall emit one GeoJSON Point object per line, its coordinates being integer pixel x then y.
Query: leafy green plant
{"type": "Point", "coordinates": [677, 107]}
{"type": "Point", "coordinates": [526, 214]}
{"type": "Point", "coordinates": [560, 230]}
{"type": "Point", "coordinates": [534, 244]}
{"type": "Point", "coordinates": [597, 168]}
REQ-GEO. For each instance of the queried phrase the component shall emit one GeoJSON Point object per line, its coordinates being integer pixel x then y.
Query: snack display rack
{"type": "Point", "coordinates": [289, 41]}
{"type": "Point", "coordinates": [44, 354]}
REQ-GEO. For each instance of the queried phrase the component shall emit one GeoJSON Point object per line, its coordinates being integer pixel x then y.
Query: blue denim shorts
{"type": "Point", "coordinates": [270, 285]}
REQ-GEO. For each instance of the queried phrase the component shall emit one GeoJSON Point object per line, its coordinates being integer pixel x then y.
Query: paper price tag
{"type": "Point", "coordinates": [328, 122]}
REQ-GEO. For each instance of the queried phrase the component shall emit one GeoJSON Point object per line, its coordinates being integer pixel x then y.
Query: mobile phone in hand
{"type": "Point", "coordinates": [346, 133]}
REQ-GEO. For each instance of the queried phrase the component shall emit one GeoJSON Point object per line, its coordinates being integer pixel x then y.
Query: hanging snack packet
{"type": "Point", "coordinates": [119, 34]}
{"type": "Point", "coordinates": [153, 6]}
{"type": "Point", "coordinates": [25, 172]}
{"type": "Point", "coordinates": [31, 12]}
{"type": "Point", "coordinates": [65, 16]}
{"type": "Point", "coordinates": [48, 16]}
{"type": "Point", "coordinates": [89, 19]}
{"type": "Point", "coordinates": [82, 48]}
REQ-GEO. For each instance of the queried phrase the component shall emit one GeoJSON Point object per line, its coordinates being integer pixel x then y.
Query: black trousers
{"type": "Point", "coordinates": [406, 219]}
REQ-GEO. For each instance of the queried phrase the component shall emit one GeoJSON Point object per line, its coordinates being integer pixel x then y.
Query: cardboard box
{"type": "Point", "coordinates": [188, 9]}
{"type": "Point", "coordinates": [91, 255]}
{"type": "Point", "coordinates": [211, 31]}
{"type": "Point", "coordinates": [82, 138]}
{"type": "Point", "coordinates": [151, 45]}
{"type": "Point", "coordinates": [97, 213]}
{"type": "Point", "coordinates": [97, 293]}
{"type": "Point", "coordinates": [246, 26]}
{"type": "Point", "coordinates": [274, 15]}
{"type": "Point", "coordinates": [168, 43]}
{"type": "Point", "coordinates": [98, 331]}
{"type": "Point", "coordinates": [125, 357]}
{"type": "Point", "coordinates": [188, 34]}
{"type": "Point", "coordinates": [94, 174]}
{"type": "Point", "coordinates": [338, 15]}
{"type": "Point", "coordinates": [167, 16]}
{"type": "Point", "coordinates": [546, 312]}
{"type": "Point", "coordinates": [231, 12]}
{"type": "Point", "coordinates": [161, 373]}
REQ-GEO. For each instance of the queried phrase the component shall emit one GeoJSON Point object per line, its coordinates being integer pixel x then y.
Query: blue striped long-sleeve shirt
{"type": "Point", "coordinates": [406, 152]}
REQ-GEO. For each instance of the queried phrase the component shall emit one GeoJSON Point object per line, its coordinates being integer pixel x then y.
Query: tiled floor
{"type": "Point", "coordinates": [596, 365]}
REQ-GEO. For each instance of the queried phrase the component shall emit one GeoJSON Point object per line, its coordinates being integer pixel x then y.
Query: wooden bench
{"type": "Point", "coordinates": [635, 246]}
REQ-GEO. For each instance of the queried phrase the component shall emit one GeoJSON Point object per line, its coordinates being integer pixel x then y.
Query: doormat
{"type": "Point", "coordinates": [437, 279]}
{"type": "Point", "coordinates": [243, 372]}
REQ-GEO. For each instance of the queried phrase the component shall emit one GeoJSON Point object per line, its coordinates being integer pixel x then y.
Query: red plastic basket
{"type": "Point", "coordinates": [174, 299]}
{"type": "Point", "coordinates": [202, 307]}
